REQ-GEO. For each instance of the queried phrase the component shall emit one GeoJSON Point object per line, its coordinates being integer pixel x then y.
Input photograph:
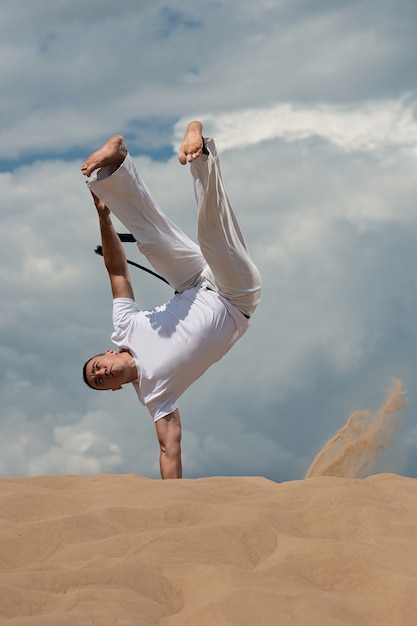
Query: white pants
{"type": "Point", "coordinates": [222, 261]}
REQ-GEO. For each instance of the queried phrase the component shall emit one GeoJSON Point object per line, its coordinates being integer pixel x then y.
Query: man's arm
{"type": "Point", "coordinates": [113, 254]}
{"type": "Point", "coordinates": [168, 429]}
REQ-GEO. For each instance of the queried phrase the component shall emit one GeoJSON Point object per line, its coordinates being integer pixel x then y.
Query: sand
{"type": "Point", "coordinates": [330, 550]}
{"type": "Point", "coordinates": [127, 550]}
{"type": "Point", "coordinates": [354, 449]}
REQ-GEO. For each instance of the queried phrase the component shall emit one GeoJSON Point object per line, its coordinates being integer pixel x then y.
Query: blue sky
{"type": "Point", "coordinates": [313, 107]}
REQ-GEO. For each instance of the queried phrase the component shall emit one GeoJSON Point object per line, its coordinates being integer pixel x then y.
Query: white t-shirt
{"type": "Point", "coordinates": [174, 344]}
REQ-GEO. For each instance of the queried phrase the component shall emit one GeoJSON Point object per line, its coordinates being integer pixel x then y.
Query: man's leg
{"type": "Point", "coordinates": [114, 178]}
{"type": "Point", "coordinates": [231, 270]}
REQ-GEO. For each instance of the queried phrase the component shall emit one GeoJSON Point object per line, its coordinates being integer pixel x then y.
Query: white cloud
{"type": "Point", "coordinates": [368, 127]}
{"type": "Point", "coordinates": [231, 447]}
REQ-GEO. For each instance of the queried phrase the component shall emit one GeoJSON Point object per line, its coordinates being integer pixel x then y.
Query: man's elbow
{"type": "Point", "coordinates": [171, 450]}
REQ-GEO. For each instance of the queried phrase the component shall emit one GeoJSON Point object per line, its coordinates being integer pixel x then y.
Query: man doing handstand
{"type": "Point", "coordinates": [217, 286]}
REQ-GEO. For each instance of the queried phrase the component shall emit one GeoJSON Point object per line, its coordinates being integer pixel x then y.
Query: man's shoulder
{"type": "Point", "coordinates": [124, 308]}
{"type": "Point", "coordinates": [124, 302]}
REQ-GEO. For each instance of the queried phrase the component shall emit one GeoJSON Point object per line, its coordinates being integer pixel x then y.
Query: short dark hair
{"type": "Point", "coordinates": [87, 382]}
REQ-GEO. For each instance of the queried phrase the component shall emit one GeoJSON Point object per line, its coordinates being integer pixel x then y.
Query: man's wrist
{"type": "Point", "coordinates": [105, 219]}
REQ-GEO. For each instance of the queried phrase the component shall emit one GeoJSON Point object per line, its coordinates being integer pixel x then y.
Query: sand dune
{"type": "Point", "coordinates": [330, 550]}
{"type": "Point", "coordinates": [127, 550]}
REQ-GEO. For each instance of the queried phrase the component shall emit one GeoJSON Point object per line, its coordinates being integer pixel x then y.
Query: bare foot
{"type": "Point", "coordinates": [192, 145]}
{"type": "Point", "coordinates": [112, 153]}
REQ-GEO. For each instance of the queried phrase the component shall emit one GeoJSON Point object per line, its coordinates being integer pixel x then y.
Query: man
{"type": "Point", "coordinates": [217, 286]}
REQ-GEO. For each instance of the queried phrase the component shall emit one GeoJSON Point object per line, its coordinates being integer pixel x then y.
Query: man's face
{"type": "Point", "coordinates": [106, 371]}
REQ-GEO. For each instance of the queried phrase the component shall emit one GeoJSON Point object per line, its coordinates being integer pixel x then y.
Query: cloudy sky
{"type": "Point", "coordinates": [313, 104]}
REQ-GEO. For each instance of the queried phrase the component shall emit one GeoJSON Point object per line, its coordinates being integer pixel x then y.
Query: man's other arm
{"type": "Point", "coordinates": [168, 429]}
{"type": "Point", "coordinates": [113, 254]}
